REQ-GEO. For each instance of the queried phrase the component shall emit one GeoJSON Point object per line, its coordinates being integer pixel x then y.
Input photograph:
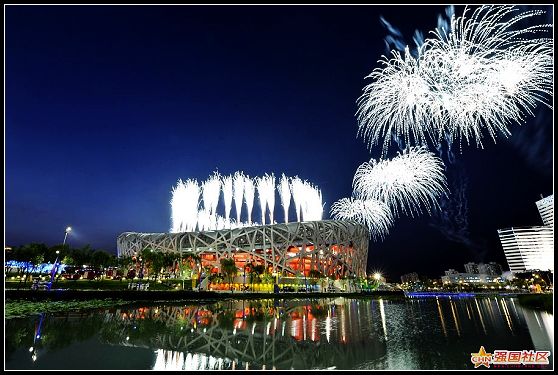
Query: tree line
{"type": "Point", "coordinates": [38, 253]}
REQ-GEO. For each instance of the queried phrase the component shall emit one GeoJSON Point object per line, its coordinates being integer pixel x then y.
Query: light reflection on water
{"type": "Point", "coordinates": [418, 333]}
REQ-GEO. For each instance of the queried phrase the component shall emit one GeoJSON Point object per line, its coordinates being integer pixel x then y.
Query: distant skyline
{"type": "Point", "coordinates": [108, 106]}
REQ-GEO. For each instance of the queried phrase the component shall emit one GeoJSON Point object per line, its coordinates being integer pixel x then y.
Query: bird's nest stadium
{"type": "Point", "coordinates": [334, 248]}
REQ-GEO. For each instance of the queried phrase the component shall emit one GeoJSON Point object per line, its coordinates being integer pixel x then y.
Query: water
{"type": "Point", "coordinates": [340, 333]}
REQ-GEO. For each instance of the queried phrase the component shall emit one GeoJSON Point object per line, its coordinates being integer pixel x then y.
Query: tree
{"type": "Point", "coordinates": [228, 267]}
{"type": "Point", "coordinates": [314, 275]}
{"type": "Point", "coordinates": [154, 261]}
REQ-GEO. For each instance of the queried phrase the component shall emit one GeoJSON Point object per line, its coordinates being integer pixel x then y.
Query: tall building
{"type": "Point", "coordinates": [546, 210]}
{"type": "Point", "coordinates": [410, 278]}
{"type": "Point", "coordinates": [471, 267]}
{"type": "Point", "coordinates": [492, 268]}
{"type": "Point", "coordinates": [531, 248]}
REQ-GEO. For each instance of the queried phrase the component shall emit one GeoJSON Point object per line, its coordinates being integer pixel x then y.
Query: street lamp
{"type": "Point", "coordinates": [54, 268]}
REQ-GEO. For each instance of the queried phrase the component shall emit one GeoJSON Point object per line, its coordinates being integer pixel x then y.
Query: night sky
{"type": "Point", "coordinates": [108, 106]}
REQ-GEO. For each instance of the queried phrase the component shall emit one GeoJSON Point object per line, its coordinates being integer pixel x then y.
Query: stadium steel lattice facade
{"type": "Point", "coordinates": [333, 247]}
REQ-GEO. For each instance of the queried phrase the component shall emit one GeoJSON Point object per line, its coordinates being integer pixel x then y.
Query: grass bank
{"type": "Point", "coordinates": [22, 308]}
{"type": "Point", "coordinates": [543, 301]}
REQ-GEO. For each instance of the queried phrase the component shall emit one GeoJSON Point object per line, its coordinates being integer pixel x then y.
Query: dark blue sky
{"type": "Point", "coordinates": [107, 106]}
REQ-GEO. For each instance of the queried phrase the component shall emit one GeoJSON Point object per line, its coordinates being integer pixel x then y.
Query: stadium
{"type": "Point", "coordinates": [334, 248]}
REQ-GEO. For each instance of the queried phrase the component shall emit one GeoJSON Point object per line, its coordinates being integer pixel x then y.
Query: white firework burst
{"type": "Point", "coordinates": [227, 186]}
{"type": "Point", "coordinates": [313, 207]}
{"type": "Point", "coordinates": [204, 220]}
{"type": "Point", "coordinates": [372, 213]}
{"type": "Point", "coordinates": [249, 192]}
{"type": "Point", "coordinates": [238, 190]}
{"type": "Point", "coordinates": [270, 194]}
{"type": "Point", "coordinates": [261, 184]}
{"type": "Point", "coordinates": [285, 195]}
{"type": "Point", "coordinates": [211, 189]}
{"type": "Point", "coordinates": [184, 206]}
{"type": "Point", "coordinates": [480, 76]}
{"type": "Point", "coordinates": [297, 189]}
{"type": "Point", "coordinates": [412, 181]}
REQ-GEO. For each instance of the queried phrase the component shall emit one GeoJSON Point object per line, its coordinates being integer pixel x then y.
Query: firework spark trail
{"type": "Point", "coordinates": [412, 181]}
{"type": "Point", "coordinates": [373, 214]}
{"type": "Point", "coordinates": [312, 207]}
{"type": "Point", "coordinates": [262, 195]}
{"type": "Point", "coordinates": [238, 189]}
{"type": "Point", "coordinates": [221, 223]}
{"type": "Point", "coordinates": [204, 220]}
{"type": "Point", "coordinates": [270, 188]}
{"type": "Point", "coordinates": [249, 192]}
{"type": "Point", "coordinates": [184, 205]}
{"type": "Point", "coordinates": [297, 189]}
{"type": "Point", "coordinates": [285, 195]}
{"type": "Point", "coordinates": [211, 189]}
{"type": "Point", "coordinates": [188, 213]}
{"type": "Point", "coordinates": [480, 76]}
{"type": "Point", "coordinates": [227, 186]}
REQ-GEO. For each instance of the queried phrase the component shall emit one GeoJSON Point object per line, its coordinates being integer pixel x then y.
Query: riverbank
{"type": "Point", "coordinates": [543, 301]}
{"type": "Point", "coordinates": [179, 295]}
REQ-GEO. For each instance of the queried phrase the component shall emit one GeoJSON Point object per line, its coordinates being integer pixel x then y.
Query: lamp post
{"type": "Point", "coordinates": [54, 268]}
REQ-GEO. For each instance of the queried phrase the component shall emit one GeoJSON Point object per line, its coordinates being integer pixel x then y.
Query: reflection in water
{"type": "Point", "coordinates": [282, 334]}
{"type": "Point", "coordinates": [319, 335]}
{"type": "Point", "coordinates": [441, 317]}
{"type": "Point", "coordinates": [455, 319]}
{"type": "Point", "coordinates": [541, 328]}
{"type": "Point", "coordinates": [383, 314]}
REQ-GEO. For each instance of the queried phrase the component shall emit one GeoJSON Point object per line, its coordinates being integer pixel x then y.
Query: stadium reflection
{"type": "Point", "coordinates": [263, 334]}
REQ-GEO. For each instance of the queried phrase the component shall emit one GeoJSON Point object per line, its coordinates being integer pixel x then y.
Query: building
{"type": "Point", "coordinates": [528, 248]}
{"type": "Point", "coordinates": [410, 278]}
{"type": "Point", "coordinates": [491, 268]}
{"type": "Point", "coordinates": [471, 267]}
{"type": "Point", "coordinates": [453, 277]}
{"type": "Point", "coordinates": [333, 247]}
{"type": "Point", "coordinates": [531, 248]}
{"type": "Point", "coordinates": [546, 210]}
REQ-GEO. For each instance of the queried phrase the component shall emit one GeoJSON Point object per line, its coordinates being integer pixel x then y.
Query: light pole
{"type": "Point", "coordinates": [54, 268]}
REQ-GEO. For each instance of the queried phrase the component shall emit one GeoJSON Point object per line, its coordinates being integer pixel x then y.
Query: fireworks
{"type": "Point", "coordinates": [238, 190]}
{"type": "Point", "coordinates": [227, 185]}
{"type": "Point", "coordinates": [312, 209]}
{"type": "Point", "coordinates": [249, 192]}
{"type": "Point", "coordinates": [285, 195]}
{"type": "Point", "coordinates": [308, 200]}
{"type": "Point", "coordinates": [184, 206]}
{"type": "Point", "coordinates": [480, 76]}
{"type": "Point", "coordinates": [211, 190]}
{"type": "Point", "coordinates": [188, 214]}
{"type": "Point", "coordinates": [270, 187]}
{"type": "Point", "coordinates": [297, 189]}
{"type": "Point", "coordinates": [262, 195]}
{"type": "Point", "coordinates": [266, 195]}
{"type": "Point", "coordinates": [412, 181]}
{"type": "Point", "coordinates": [372, 213]}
